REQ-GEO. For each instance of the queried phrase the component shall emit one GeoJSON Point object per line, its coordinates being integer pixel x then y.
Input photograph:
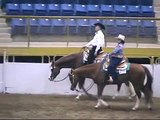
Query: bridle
{"type": "Point", "coordinates": [60, 80]}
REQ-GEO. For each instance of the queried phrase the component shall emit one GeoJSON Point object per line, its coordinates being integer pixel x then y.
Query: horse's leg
{"type": "Point", "coordinates": [131, 89]}
{"type": "Point", "coordinates": [148, 97]}
{"type": "Point", "coordinates": [138, 96]}
{"type": "Point", "coordinates": [100, 100]}
{"type": "Point", "coordinates": [80, 85]}
{"type": "Point", "coordinates": [118, 90]}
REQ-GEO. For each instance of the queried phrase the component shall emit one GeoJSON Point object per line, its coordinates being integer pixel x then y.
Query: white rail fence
{"type": "Point", "coordinates": [32, 78]}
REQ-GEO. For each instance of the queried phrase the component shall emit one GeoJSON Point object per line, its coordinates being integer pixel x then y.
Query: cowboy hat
{"type": "Point", "coordinates": [100, 25]}
{"type": "Point", "coordinates": [121, 37]}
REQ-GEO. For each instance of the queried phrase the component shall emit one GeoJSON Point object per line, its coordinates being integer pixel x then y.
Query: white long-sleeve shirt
{"type": "Point", "coordinates": [98, 40]}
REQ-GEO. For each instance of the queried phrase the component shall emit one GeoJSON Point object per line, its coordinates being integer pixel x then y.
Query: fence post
{"type": "Point", "coordinates": [67, 31]}
{"type": "Point", "coordinates": [28, 32]}
{"type": "Point", "coordinates": [3, 71]}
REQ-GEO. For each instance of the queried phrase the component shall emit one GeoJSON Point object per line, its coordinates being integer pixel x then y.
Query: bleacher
{"type": "Point", "coordinates": [118, 8]}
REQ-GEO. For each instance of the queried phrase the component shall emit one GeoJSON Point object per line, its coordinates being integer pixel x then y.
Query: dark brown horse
{"type": "Point", "coordinates": [139, 78]}
{"type": "Point", "coordinates": [71, 61]}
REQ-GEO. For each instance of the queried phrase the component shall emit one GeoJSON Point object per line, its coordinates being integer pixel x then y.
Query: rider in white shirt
{"type": "Point", "coordinates": [96, 43]}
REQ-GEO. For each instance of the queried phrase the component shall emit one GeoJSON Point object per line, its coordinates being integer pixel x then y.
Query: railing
{"type": "Point", "coordinates": [67, 37]}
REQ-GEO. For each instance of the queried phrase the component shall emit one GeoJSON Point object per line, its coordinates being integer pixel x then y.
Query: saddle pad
{"type": "Point", "coordinates": [123, 69]}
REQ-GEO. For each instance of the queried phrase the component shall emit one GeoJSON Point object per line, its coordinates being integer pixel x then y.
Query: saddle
{"type": "Point", "coordinates": [122, 68]}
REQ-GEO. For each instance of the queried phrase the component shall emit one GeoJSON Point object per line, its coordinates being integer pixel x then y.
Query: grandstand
{"type": "Point", "coordinates": [61, 23]}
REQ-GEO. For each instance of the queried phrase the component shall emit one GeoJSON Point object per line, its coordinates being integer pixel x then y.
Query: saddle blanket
{"type": "Point", "coordinates": [121, 69]}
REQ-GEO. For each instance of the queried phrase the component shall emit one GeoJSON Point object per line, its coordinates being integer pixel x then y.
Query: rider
{"type": "Point", "coordinates": [96, 43]}
{"type": "Point", "coordinates": [116, 57]}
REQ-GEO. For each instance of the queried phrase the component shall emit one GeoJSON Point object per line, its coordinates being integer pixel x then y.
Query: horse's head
{"type": "Point", "coordinates": [55, 70]}
{"type": "Point", "coordinates": [73, 79]}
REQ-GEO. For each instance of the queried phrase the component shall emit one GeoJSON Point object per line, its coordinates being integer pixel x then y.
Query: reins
{"type": "Point", "coordinates": [89, 87]}
{"type": "Point", "coordinates": [61, 79]}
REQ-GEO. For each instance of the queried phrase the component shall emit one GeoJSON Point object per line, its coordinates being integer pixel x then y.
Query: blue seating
{"type": "Point", "coordinates": [18, 26]}
{"type": "Point", "coordinates": [107, 10]}
{"type": "Point", "coordinates": [133, 11]}
{"type": "Point", "coordinates": [53, 9]}
{"type": "Point", "coordinates": [120, 10]}
{"type": "Point", "coordinates": [122, 27]}
{"type": "Point", "coordinates": [147, 11]}
{"type": "Point", "coordinates": [13, 9]}
{"type": "Point", "coordinates": [83, 2]}
{"type": "Point", "coordinates": [93, 10]}
{"type": "Point", "coordinates": [36, 1]}
{"type": "Point", "coordinates": [26, 9]}
{"type": "Point", "coordinates": [58, 27]}
{"type": "Point", "coordinates": [134, 27]}
{"type": "Point", "coordinates": [83, 26]}
{"type": "Point", "coordinates": [133, 2]}
{"type": "Point", "coordinates": [34, 26]}
{"type": "Point", "coordinates": [40, 9]}
{"type": "Point", "coordinates": [120, 2]}
{"type": "Point", "coordinates": [110, 27]}
{"type": "Point", "coordinates": [148, 28]}
{"type": "Point", "coordinates": [56, 1]}
{"type": "Point", "coordinates": [68, 1]}
{"type": "Point", "coordinates": [72, 24]}
{"type": "Point", "coordinates": [94, 2]}
{"type": "Point", "coordinates": [91, 24]}
{"type": "Point", "coordinates": [67, 9]}
{"type": "Point", "coordinates": [107, 2]}
{"type": "Point", "coordinates": [44, 26]}
{"type": "Point", "coordinates": [44, 1]}
{"type": "Point", "coordinates": [80, 10]}
{"type": "Point", "coordinates": [146, 2]}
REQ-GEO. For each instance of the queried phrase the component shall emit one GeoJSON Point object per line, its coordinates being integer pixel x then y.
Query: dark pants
{"type": "Point", "coordinates": [92, 56]}
{"type": "Point", "coordinates": [114, 62]}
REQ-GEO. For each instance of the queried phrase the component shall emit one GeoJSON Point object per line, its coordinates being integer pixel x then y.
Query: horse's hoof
{"type": "Point", "coordinates": [134, 109]}
{"type": "Point", "coordinates": [77, 98]}
{"type": "Point", "coordinates": [96, 107]}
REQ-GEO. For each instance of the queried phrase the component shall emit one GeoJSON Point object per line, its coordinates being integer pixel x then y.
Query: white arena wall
{"type": "Point", "coordinates": [32, 78]}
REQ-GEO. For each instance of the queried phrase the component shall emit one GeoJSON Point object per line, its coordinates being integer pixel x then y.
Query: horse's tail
{"type": "Point", "coordinates": [148, 86]}
{"type": "Point", "coordinates": [149, 78]}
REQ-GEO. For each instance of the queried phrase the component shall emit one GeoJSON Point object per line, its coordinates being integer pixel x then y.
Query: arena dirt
{"type": "Point", "coordinates": [54, 106]}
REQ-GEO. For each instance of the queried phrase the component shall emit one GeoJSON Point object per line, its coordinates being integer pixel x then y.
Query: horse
{"type": "Point", "coordinates": [73, 61]}
{"type": "Point", "coordinates": [138, 77]}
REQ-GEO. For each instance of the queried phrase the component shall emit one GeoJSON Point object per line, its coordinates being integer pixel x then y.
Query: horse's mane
{"type": "Point", "coordinates": [87, 68]}
{"type": "Point", "coordinates": [66, 58]}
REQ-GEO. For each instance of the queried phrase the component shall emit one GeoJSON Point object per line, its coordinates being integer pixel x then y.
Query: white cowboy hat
{"type": "Point", "coordinates": [121, 37]}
